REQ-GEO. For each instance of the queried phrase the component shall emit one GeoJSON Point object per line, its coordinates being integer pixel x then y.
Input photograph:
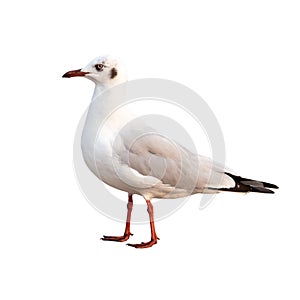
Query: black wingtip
{"type": "Point", "coordinates": [261, 190]}
{"type": "Point", "coordinates": [249, 185]}
{"type": "Point", "coordinates": [270, 185]}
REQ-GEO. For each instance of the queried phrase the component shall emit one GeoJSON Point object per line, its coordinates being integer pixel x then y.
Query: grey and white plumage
{"type": "Point", "coordinates": [153, 166]}
{"type": "Point", "coordinates": [139, 160]}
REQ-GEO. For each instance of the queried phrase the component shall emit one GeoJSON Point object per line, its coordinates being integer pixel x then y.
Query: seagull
{"type": "Point", "coordinates": [138, 159]}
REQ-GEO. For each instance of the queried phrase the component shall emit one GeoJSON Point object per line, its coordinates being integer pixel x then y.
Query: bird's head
{"type": "Point", "coordinates": [103, 70]}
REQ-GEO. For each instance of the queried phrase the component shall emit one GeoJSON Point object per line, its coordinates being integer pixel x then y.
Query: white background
{"type": "Point", "coordinates": [242, 57]}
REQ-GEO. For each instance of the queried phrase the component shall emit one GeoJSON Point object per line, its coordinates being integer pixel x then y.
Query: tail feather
{"type": "Point", "coordinates": [245, 185]}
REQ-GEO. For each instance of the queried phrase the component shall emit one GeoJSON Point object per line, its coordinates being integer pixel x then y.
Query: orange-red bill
{"type": "Point", "coordinates": [74, 73]}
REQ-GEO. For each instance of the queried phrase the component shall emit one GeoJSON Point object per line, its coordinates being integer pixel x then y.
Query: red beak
{"type": "Point", "coordinates": [74, 73]}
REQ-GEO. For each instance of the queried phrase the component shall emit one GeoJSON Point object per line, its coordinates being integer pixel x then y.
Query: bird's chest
{"type": "Point", "coordinates": [97, 146]}
{"type": "Point", "coordinates": [101, 154]}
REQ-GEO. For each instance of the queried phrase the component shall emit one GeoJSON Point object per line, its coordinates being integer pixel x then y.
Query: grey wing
{"type": "Point", "coordinates": [151, 154]}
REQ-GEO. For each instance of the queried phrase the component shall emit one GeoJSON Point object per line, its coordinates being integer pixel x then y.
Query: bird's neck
{"type": "Point", "coordinates": [99, 89]}
{"type": "Point", "coordinates": [107, 98]}
{"type": "Point", "coordinates": [102, 87]}
{"type": "Point", "coordinates": [110, 103]}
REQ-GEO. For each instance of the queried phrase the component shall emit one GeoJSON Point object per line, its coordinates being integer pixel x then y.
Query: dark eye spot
{"type": "Point", "coordinates": [99, 67]}
{"type": "Point", "coordinates": [113, 73]}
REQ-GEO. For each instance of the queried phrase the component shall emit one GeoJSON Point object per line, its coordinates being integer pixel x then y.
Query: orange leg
{"type": "Point", "coordinates": [154, 237]}
{"type": "Point", "coordinates": [127, 233]}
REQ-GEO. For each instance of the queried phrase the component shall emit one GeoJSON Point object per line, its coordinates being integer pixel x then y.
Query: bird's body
{"type": "Point", "coordinates": [127, 154]}
{"type": "Point", "coordinates": [139, 160]}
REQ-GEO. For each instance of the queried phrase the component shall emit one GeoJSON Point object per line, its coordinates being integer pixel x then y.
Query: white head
{"type": "Point", "coordinates": [104, 70]}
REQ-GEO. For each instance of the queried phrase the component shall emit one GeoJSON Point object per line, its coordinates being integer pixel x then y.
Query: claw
{"type": "Point", "coordinates": [143, 244]}
{"type": "Point", "coordinates": [121, 238]}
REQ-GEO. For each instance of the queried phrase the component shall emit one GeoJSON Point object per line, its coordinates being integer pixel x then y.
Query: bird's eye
{"type": "Point", "coordinates": [99, 67]}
